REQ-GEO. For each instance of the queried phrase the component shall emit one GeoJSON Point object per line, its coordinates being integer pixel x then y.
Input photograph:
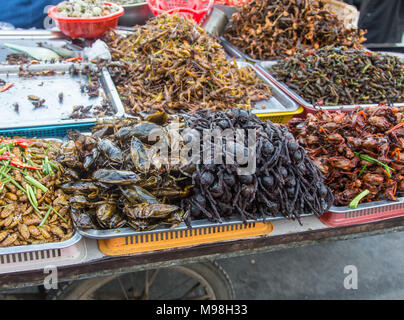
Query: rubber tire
{"type": "Point", "coordinates": [213, 273]}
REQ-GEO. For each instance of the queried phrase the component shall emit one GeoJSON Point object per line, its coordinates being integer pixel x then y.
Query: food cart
{"type": "Point", "coordinates": [104, 251]}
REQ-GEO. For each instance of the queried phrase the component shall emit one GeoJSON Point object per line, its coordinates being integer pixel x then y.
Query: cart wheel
{"type": "Point", "coordinates": [200, 281]}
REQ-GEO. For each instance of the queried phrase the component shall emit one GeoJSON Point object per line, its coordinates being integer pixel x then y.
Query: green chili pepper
{"type": "Point", "coordinates": [366, 67]}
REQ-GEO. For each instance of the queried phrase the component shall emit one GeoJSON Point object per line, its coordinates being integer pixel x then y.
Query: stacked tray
{"type": "Point", "coordinates": [280, 108]}
{"type": "Point", "coordinates": [265, 65]}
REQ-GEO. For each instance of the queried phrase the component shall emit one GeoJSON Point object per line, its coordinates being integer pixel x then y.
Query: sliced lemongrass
{"type": "Point", "coordinates": [354, 203]}
{"type": "Point", "coordinates": [46, 217]}
{"type": "Point", "coordinates": [36, 183]}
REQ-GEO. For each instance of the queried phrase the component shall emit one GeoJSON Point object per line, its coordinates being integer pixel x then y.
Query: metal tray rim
{"type": "Point", "coordinates": [276, 91]}
{"type": "Point", "coordinates": [197, 224]}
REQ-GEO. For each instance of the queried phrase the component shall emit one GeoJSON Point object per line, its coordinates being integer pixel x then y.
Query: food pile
{"type": "Point", "coordinates": [172, 65]}
{"type": "Point", "coordinates": [285, 181]}
{"type": "Point", "coordinates": [120, 175]}
{"type": "Point", "coordinates": [85, 8]}
{"type": "Point", "coordinates": [341, 76]}
{"type": "Point", "coordinates": [33, 209]}
{"type": "Point", "coordinates": [269, 29]}
{"type": "Point", "coordinates": [360, 154]}
{"type": "Point", "coordinates": [117, 179]}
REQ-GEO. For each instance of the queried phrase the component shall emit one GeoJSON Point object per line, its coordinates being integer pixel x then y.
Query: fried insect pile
{"type": "Point", "coordinates": [357, 151]}
{"type": "Point", "coordinates": [340, 76]}
{"type": "Point", "coordinates": [172, 65]}
{"type": "Point", "coordinates": [269, 29]}
{"type": "Point", "coordinates": [33, 209]}
{"type": "Point", "coordinates": [285, 181]}
{"type": "Point", "coordinates": [116, 181]}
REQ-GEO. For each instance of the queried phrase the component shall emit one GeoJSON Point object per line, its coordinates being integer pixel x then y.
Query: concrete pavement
{"type": "Point", "coordinates": [317, 271]}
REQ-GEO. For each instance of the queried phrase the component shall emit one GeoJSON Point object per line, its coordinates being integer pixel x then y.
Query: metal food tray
{"type": "Point", "coordinates": [278, 102]}
{"type": "Point", "coordinates": [76, 237]}
{"type": "Point", "coordinates": [233, 51]}
{"type": "Point", "coordinates": [44, 246]}
{"type": "Point", "coordinates": [197, 224]}
{"type": "Point", "coordinates": [48, 88]}
{"type": "Point", "coordinates": [266, 65]}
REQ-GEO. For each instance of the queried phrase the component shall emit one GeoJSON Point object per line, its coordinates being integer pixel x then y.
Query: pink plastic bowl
{"type": "Point", "coordinates": [88, 28]}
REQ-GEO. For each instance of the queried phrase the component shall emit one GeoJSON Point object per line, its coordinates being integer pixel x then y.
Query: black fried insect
{"type": "Point", "coordinates": [16, 107]}
{"type": "Point", "coordinates": [285, 181]}
{"type": "Point", "coordinates": [38, 103]}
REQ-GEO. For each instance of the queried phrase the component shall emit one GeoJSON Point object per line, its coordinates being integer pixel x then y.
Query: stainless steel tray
{"type": "Point", "coordinates": [197, 224]}
{"type": "Point", "coordinates": [266, 65]}
{"type": "Point", "coordinates": [76, 237]}
{"type": "Point", "coordinates": [44, 246]}
{"type": "Point", "coordinates": [367, 206]}
{"type": "Point", "coordinates": [48, 88]}
{"type": "Point", "coordinates": [279, 102]}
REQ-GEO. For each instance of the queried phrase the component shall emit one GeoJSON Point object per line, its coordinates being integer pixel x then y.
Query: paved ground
{"type": "Point", "coordinates": [317, 272]}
